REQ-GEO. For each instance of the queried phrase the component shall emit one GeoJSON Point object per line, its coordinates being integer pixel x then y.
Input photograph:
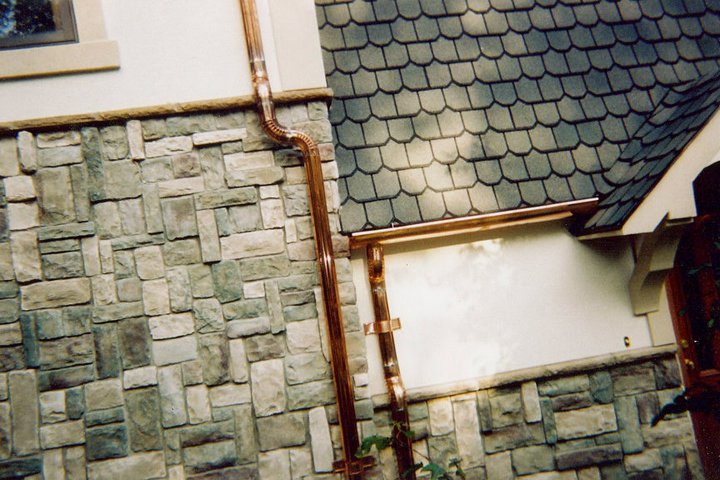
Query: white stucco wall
{"type": "Point", "coordinates": [177, 51]}
{"type": "Point", "coordinates": [498, 302]}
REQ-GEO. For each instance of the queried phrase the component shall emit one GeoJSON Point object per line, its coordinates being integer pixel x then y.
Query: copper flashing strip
{"type": "Point", "coordinates": [351, 467]}
{"type": "Point", "coordinates": [475, 223]}
{"type": "Point", "coordinates": [231, 103]}
{"type": "Point", "coordinates": [383, 327]}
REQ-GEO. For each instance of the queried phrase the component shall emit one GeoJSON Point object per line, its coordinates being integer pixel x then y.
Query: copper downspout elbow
{"type": "Point", "coordinates": [351, 467]}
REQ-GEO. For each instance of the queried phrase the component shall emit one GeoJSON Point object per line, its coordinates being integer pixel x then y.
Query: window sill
{"type": "Point", "coordinates": [59, 59]}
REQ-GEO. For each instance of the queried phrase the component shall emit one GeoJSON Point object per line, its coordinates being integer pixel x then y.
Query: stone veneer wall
{"type": "Point", "coordinates": [588, 424]}
{"type": "Point", "coordinates": [159, 302]}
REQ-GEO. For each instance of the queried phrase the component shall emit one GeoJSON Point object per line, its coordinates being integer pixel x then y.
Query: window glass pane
{"type": "Point", "coordinates": [33, 22]}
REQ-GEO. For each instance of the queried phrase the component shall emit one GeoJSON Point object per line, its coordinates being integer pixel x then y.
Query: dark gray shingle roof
{"type": "Point", "coordinates": [654, 147]}
{"type": "Point", "coordinates": [452, 108]}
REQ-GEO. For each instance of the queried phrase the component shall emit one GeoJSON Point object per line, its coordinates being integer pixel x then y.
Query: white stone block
{"type": "Point", "coordinates": [175, 350]}
{"type": "Point", "coordinates": [268, 387]}
{"type": "Point", "coordinates": [441, 416]}
{"type": "Point", "coordinates": [198, 404]}
{"type": "Point", "coordinates": [19, 189]}
{"type": "Point", "coordinates": [274, 465]}
{"type": "Point", "coordinates": [149, 262]}
{"type": "Point", "coordinates": [22, 216]}
{"type": "Point", "coordinates": [531, 402]}
{"type": "Point", "coordinates": [219, 136]}
{"type": "Point", "coordinates": [229, 394]}
{"type": "Point", "coordinates": [156, 297]}
{"type": "Point", "coordinates": [320, 441]}
{"type": "Point", "coordinates": [171, 326]}
{"type": "Point", "coordinates": [168, 146]}
{"type": "Point", "coordinates": [140, 377]}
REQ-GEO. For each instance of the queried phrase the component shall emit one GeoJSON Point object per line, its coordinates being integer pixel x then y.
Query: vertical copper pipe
{"type": "Point", "coordinates": [398, 401]}
{"type": "Point", "coordinates": [351, 467]}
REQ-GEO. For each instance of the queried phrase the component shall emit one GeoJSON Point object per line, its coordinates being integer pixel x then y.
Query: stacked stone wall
{"type": "Point", "coordinates": [160, 311]}
{"type": "Point", "coordinates": [591, 424]}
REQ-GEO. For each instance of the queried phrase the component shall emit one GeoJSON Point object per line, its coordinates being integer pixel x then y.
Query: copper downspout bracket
{"type": "Point", "coordinates": [383, 326]}
{"type": "Point", "coordinates": [354, 467]}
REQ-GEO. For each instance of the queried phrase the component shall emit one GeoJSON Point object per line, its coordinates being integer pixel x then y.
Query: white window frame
{"type": "Point", "coordinates": [92, 52]}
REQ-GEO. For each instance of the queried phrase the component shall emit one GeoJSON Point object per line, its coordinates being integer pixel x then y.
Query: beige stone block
{"type": "Point", "coordinates": [140, 465]}
{"type": "Point", "coordinates": [230, 394]}
{"type": "Point", "coordinates": [268, 387]}
{"type": "Point", "coordinates": [301, 464]}
{"type": "Point", "coordinates": [149, 262]}
{"type": "Point", "coordinates": [248, 161]}
{"type": "Point", "coordinates": [209, 239]}
{"type": "Point", "coordinates": [62, 434]}
{"type": "Point", "coordinates": [56, 293]}
{"type": "Point", "coordinates": [175, 350]}
{"type": "Point", "coordinates": [22, 216]}
{"type": "Point", "coordinates": [136, 143]}
{"type": "Point", "coordinates": [303, 337]}
{"type": "Point", "coordinates": [273, 214]}
{"type": "Point", "coordinates": [269, 191]}
{"type": "Point", "coordinates": [291, 231]}
{"type": "Point", "coordinates": [499, 466]}
{"type": "Point", "coordinates": [90, 248]}
{"type": "Point", "coordinates": [103, 288]}
{"type": "Point", "coordinates": [591, 473]}
{"type": "Point", "coordinates": [75, 462]}
{"type": "Point", "coordinates": [274, 465]}
{"type": "Point", "coordinates": [6, 262]}
{"type": "Point", "coordinates": [585, 422]}
{"type": "Point", "coordinates": [156, 298]}
{"type": "Point", "coordinates": [10, 334]}
{"type": "Point", "coordinates": [104, 394]}
{"type": "Point", "coordinates": [107, 260]}
{"type": "Point", "coordinates": [238, 361]}
{"type": "Point", "coordinates": [531, 402]}
{"type": "Point", "coordinates": [132, 216]}
{"type": "Point", "coordinates": [19, 189]}
{"type": "Point", "coordinates": [172, 398]}
{"type": "Point", "coordinates": [253, 290]}
{"type": "Point", "coordinates": [25, 423]}
{"type": "Point", "coordinates": [58, 139]}
{"type": "Point", "coordinates": [52, 406]}
{"type": "Point", "coordinates": [171, 326]}
{"type": "Point", "coordinates": [219, 136]}
{"type": "Point", "coordinates": [252, 244]}
{"type": "Point", "coordinates": [181, 186]}
{"type": "Point", "coordinates": [441, 416]}
{"type": "Point", "coordinates": [8, 158]}
{"type": "Point", "coordinates": [320, 441]}
{"type": "Point", "coordinates": [198, 404]}
{"type": "Point", "coordinates": [53, 464]}
{"type": "Point", "coordinates": [176, 472]}
{"type": "Point", "coordinates": [140, 377]}
{"type": "Point", "coordinates": [168, 146]}
{"type": "Point", "coordinates": [27, 152]}
{"type": "Point", "coordinates": [467, 433]}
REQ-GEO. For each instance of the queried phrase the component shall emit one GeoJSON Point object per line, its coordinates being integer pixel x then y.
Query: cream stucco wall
{"type": "Point", "coordinates": [484, 304]}
{"type": "Point", "coordinates": [175, 51]}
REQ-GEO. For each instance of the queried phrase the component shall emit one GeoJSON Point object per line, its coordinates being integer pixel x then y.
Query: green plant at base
{"type": "Point", "coordinates": [437, 472]}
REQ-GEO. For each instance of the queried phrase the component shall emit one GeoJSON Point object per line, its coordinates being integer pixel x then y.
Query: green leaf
{"type": "Point", "coordinates": [408, 473]}
{"type": "Point", "coordinates": [699, 268]}
{"type": "Point", "coordinates": [436, 472]}
{"type": "Point", "coordinates": [377, 441]}
{"type": "Point", "coordinates": [711, 323]}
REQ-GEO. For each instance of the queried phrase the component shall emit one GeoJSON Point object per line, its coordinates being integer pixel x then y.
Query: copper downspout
{"type": "Point", "coordinates": [383, 327]}
{"type": "Point", "coordinates": [351, 468]}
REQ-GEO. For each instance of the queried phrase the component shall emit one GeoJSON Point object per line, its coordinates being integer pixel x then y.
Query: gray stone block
{"type": "Point", "coordinates": [134, 341]}
{"type": "Point", "coordinates": [179, 217]}
{"type": "Point", "coordinates": [143, 421]}
{"type": "Point", "coordinates": [264, 347]}
{"type": "Point", "coordinates": [65, 377]}
{"type": "Point", "coordinates": [533, 459]}
{"type": "Point", "coordinates": [107, 353]}
{"type": "Point", "coordinates": [279, 431]}
{"type": "Point", "coordinates": [104, 417]}
{"type": "Point", "coordinates": [215, 358]}
{"type": "Point", "coordinates": [311, 394]}
{"type": "Point", "coordinates": [66, 352]}
{"type": "Point", "coordinates": [21, 468]}
{"type": "Point", "coordinates": [227, 282]}
{"type": "Point", "coordinates": [514, 436]}
{"type": "Point", "coordinates": [601, 387]}
{"type": "Point", "coordinates": [263, 268]}
{"type": "Point", "coordinates": [588, 457]}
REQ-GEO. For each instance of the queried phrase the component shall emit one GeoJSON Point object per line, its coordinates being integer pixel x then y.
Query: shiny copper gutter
{"type": "Point", "coordinates": [475, 223]}
{"type": "Point", "coordinates": [383, 328]}
{"type": "Point", "coordinates": [350, 467]}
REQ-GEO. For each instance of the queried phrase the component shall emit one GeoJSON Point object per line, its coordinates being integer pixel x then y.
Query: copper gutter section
{"type": "Point", "coordinates": [350, 467]}
{"type": "Point", "coordinates": [383, 327]}
{"type": "Point", "coordinates": [474, 223]}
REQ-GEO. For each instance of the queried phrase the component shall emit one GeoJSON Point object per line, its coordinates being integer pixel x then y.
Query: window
{"type": "Point", "coordinates": [36, 22]}
{"type": "Point", "coordinates": [53, 37]}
